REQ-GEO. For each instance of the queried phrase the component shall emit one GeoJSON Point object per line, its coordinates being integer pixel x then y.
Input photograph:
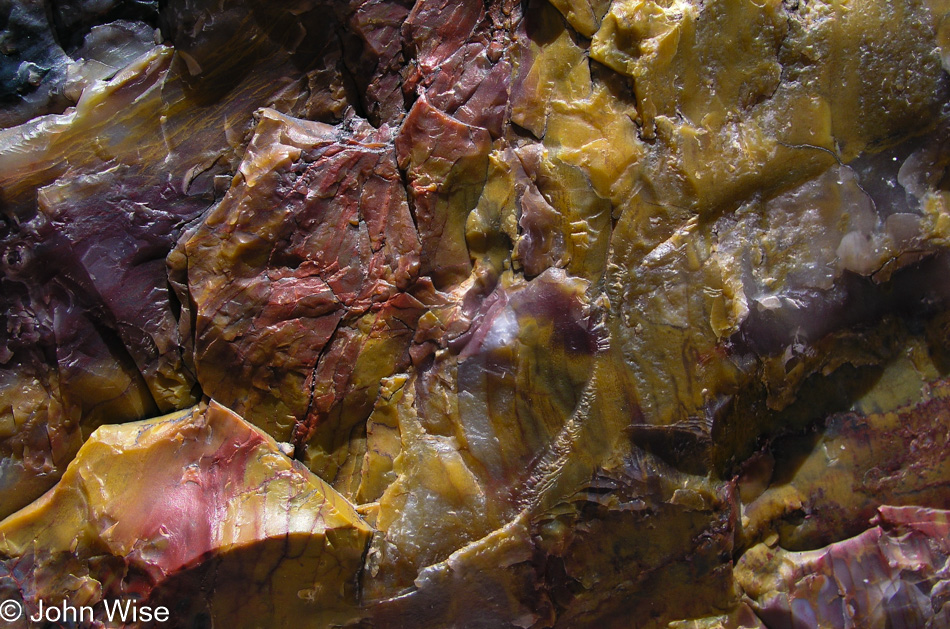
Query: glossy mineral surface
{"type": "Point", "coordinates": [556, 313]}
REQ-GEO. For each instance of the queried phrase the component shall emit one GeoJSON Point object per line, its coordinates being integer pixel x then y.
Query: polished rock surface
{"type": "Point", "coordinates": [553, 313]}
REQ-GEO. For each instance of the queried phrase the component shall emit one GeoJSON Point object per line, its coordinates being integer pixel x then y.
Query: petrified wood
{"type": "Point", "coordinates": [554, 313]}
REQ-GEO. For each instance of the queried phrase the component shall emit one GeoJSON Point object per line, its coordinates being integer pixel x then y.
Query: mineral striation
{"type": "Point", "coordinates": [554, 313]}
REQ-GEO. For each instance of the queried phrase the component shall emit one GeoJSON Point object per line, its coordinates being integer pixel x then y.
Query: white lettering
{"type": "Point", "coordinates": [64, 613]}
{"type": "Point", "coordinates": [123, 612]}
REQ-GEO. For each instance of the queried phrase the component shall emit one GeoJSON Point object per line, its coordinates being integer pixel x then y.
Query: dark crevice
{"type": "Point", "coordinates": [303, 427]}
{"type": "Point", "coordinates": [354, 95]}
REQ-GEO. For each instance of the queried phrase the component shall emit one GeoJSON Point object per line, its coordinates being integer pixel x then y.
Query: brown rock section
{"type": "Point", "coordinates": [446, 164]}
{"type": "Point", "coordinates": [854, 465]}
{"type": "Point", "coordinates": [304, 266]}
{"type": "Point", "coordinates": [578, 303]}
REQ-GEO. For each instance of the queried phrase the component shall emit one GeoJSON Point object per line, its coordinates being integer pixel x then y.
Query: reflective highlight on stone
{"type": "Point", "coordinates": [556, 313]}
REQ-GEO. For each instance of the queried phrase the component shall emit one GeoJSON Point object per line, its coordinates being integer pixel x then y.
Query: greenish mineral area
{"type": "Point", "coordinates": [475, 313]}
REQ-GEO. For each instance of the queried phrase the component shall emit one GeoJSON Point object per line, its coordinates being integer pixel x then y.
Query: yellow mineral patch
{"type": "Point", "coordinates": [199, 490]}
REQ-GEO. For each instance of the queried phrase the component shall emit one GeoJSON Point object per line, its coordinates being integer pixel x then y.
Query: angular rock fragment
{"type": "Point", "coordinates": [51, 51]}
{"type": "Point", "coordinates": [303, 267]}
{"type": "Point", "coordinates": [462, 468]}
{"type": "Point", "coordinates": [186, 511]}
{"type": "Point", "coordinates": [856, 464]}
{"type": "Point", "coordinates": [88, 313]}
{"type": "Point", "coordinates": [94, 199]}
{"type": "Point", "coordinates": [893, 574]}
{"type": "Point", "coordinates": [446, 163]}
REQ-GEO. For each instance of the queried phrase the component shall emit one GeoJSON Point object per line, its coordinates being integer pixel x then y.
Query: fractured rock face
{"type": "Point", "coordinates": [187, 509]}
{"type": "Point", "coordinates": [304, 265]}
{"type": "Point", "coordinates": [542, 314]}
{"type": "Point", "coordinates": [890, 575]}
